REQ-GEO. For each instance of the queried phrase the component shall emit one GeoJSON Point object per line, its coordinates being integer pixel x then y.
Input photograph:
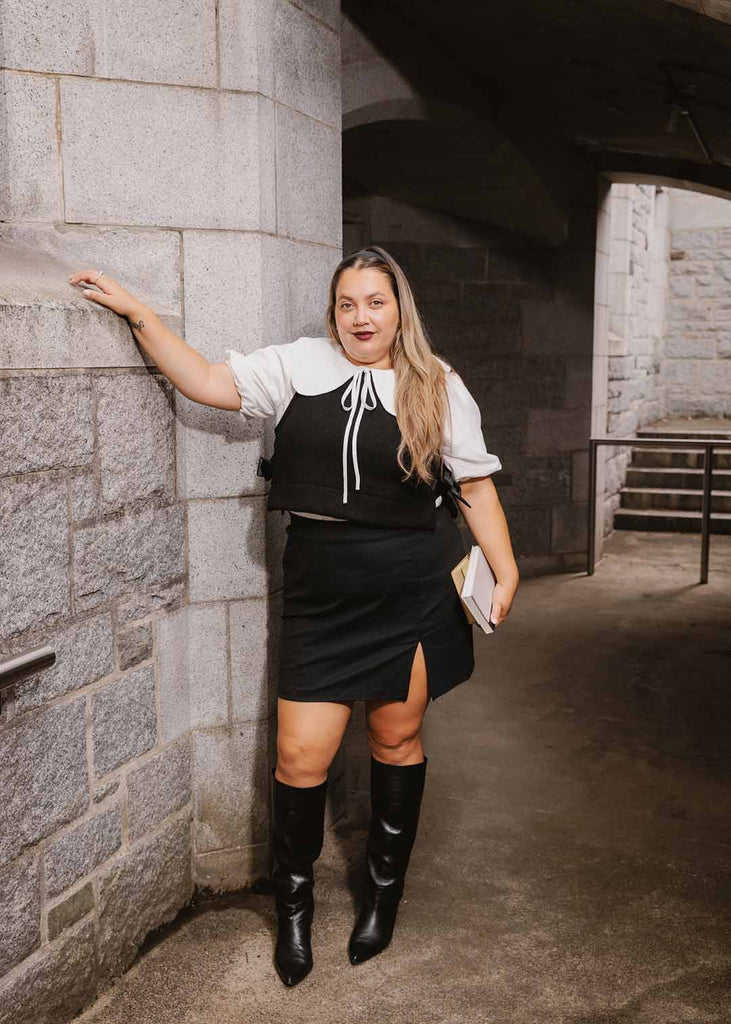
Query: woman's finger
{"type": "Point", "coordinates": [99, 297]}
{"type": "Point", "coordinates": [103, 282]}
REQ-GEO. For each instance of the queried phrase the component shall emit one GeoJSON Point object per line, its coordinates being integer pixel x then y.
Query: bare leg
{"type": "Point", "coordinates": [394, 727]}
{"type": "Point", "coordinates": [309, 734]}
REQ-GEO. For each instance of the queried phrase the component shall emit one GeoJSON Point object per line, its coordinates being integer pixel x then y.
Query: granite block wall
{"type": "Point", "coordinates": [696, 370]}
{"type": "Point", "coordinates": [637, 281]}
{"type": "Point", "coordinates": [204, 175]}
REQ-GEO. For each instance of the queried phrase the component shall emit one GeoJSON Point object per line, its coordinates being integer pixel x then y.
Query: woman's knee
{"type": "Point", "coordinates": [308, 738]}
{"type": "Point", "coordinates": [305, 763]}
{"type": "Point", "coordinates": [396, 743]}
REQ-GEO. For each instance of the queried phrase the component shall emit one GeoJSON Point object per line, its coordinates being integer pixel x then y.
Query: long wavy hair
{"type": "Point", "coordinates": [420, 394]}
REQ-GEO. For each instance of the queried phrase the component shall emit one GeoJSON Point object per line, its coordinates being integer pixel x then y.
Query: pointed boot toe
{"type": "Point", "coordinates": [396, 794]}
{"type": "Point", "coordinates": [373, 930]}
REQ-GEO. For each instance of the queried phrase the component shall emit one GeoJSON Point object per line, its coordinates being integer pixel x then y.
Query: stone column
{"type": "Point", "coordinates": [194, 155]}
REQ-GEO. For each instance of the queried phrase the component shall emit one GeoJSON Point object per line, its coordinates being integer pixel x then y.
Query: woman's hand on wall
{"type": "Point", "coordinates": [111, 294]}
{"type": "Point", "coordinates": [191, 373]}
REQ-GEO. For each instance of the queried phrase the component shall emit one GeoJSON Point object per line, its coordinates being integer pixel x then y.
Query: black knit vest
{"type": "Point", "coordinates": [307, 464]}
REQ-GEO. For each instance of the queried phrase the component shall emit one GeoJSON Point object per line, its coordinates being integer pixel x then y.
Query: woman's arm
{"type": "Point", "coordinates": [487, 522]}
{"type": "Point", "coordinates": [192, 374]}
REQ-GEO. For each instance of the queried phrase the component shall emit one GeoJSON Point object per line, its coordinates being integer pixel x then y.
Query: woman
{"type": "Point", "coordinates": [375, 437]}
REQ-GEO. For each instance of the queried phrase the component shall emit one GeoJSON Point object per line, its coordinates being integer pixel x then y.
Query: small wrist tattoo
{"type": "Point", "coordinates": [139, 325]}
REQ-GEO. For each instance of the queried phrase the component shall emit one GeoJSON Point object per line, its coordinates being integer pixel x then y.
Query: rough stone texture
{"type": "Point", "coordinates": [140, 549]}
{"type": "Point", "coordinates": [66, 45]}
{"type": "Point", "coordinates": [79, 851]}
{"type": "Point", "coordinates": [30, 179]}
{"type": "Point", "coordinates": [121, 133]}
{"type": "Point", "coordinates": [158, 788]}
{"type": "Point", "coordinates": [84, 653]}
{"type": "Point", "coordinates": [139, 606]}
{"type": "Point", "coordinates": [135, 645]}
{"type": "Point", "coordinates": [145, 261]}
{"type": "Point", "coordinates": [236, 868]}
{"type": "Point", "coordinates": [638, 286]}
{"type": "Point", "coordinates": [84, 496]}
{"type": "Point", "coordinates": [230, 775]}
{"type": "Point", "coordinates": [170, 43]}
{"type": "Point", "coordinates": [215, 319]}
{"type": "Point", "coordinates": [20, 912]}
{"type": "Point", "coordinates": [254, 659]}
{"type": "Point", "coordinates": [299, 272]}
{"type": "Point", "coordinates": [135, 428]}
{"type": "Point", "coordinates": [307, 65]}
{"type": "Point", "coordinates": [305, 209]}
{"type": "Point", "coordinates": [105, 789]}
{"type": "Point", "coordinates": [43, 775]}
{"type": "Point", "coordinates": [246, 45]}
{"type": "Point", "coordinates": [236, 527]}
{"type": "Point", "coordinates": [192, 669]}
{"type": "Point", "coordinates": [217, 451]}
{"type": "Point", "coordinates": [124, 722]}
{"type": "Point", "coordinates": [45, 423]}
{"type": "Point", "coordinates": [54, 985]}
{"type": "Point", "coordinates": [43, 326]}
{"type": "Point", "coordinates": [34, 576]}
{"type": "Point", "coordinates": [696, 370]}
{"type": "Point", "coordinates": [70, 910]}
{"type": "Point", "coordinates": [142, 892]}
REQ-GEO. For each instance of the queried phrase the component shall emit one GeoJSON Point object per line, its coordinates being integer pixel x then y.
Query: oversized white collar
{"type": "Point", "coordinates": [319, 365]}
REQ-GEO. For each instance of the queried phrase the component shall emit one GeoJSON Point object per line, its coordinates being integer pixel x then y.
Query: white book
{"type": "Point", "coordinates": [477, 586]}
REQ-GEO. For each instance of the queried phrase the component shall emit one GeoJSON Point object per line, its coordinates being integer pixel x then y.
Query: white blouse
{"type": "Point", "coordinates": [268, 378]}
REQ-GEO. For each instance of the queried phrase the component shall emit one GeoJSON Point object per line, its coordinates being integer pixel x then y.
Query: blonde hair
{"type": "Point", "coordinates": [420, 382]}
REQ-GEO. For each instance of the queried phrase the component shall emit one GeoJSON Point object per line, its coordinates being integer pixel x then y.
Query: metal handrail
{"type": "Point", "coordinates": [13, 668]}
{"type": "Point", "coordinates": [647, 442]}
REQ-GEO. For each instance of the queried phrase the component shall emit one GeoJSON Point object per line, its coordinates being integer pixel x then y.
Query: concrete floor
{"type": "Point", "coordinates": [574, 852]}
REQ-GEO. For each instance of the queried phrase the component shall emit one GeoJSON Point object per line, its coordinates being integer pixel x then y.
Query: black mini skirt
{"type": "Point", "coordinates": [357, 601]}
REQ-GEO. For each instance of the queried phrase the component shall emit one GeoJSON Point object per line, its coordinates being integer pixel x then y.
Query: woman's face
{"type": "Point", "coordinates": [366, 305]}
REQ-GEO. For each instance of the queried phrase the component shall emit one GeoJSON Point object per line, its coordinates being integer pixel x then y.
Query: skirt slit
{"type": "Point", "coordinates": [358, 600]}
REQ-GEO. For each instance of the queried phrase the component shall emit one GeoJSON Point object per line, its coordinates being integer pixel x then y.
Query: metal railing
{"type": "Point", "coordinates": [650, 442]}
{"type": "Point", "coordinates": [19, 665]}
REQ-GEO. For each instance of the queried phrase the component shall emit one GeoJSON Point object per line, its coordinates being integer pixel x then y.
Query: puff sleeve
{"type": "Point", "coordinates": [263, 378]}
{"type": "Point", "coordinates": [464, 445]}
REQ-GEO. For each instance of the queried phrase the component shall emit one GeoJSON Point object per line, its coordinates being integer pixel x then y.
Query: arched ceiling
{"type": "Point", "coordinates": [554, 89]}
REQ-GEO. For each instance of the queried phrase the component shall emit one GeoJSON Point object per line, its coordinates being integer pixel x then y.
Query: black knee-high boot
{"type": "Point", "coordinates": [396, 792]}
{"type": "Point", "coordinates": [297, 837]}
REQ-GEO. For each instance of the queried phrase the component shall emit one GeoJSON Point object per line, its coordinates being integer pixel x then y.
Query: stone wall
{"type": "Point", "coordinates": [696, 370]}
{"type": "Point", "coordinates": [205, 177]}
{"type": "Point", "coordinates": [638, 282]}
{"type": "Point", "coordinates": [669, 328]}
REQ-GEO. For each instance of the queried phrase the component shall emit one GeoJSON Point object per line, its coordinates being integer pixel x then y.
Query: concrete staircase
{"type": "Point", "coordinates": [664, 486]}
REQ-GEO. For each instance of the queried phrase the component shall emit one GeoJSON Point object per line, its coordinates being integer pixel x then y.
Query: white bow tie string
{"type": "Point", "coordinates": [356, 399]}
